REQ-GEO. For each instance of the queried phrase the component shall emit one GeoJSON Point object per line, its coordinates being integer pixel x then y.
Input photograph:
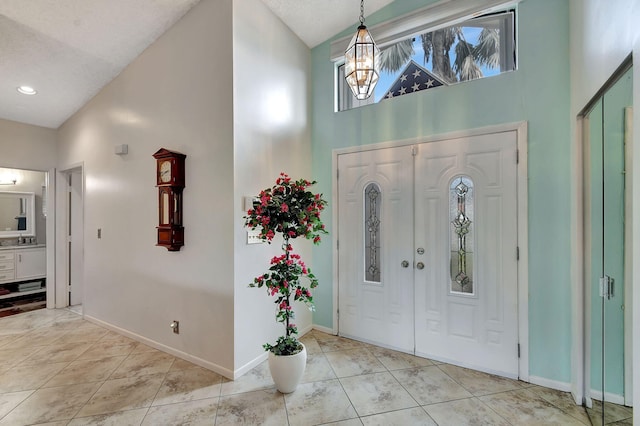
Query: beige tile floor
{"type": "Point", "coordinates": [58, 369]}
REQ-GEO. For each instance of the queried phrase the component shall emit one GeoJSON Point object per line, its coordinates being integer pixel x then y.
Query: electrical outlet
{"type": "Point", "coordinates": [253, 237]}
{"type": "Point", "coordinates": [175, 326]}
{"type": "Point", "coordinates": [248, 202]}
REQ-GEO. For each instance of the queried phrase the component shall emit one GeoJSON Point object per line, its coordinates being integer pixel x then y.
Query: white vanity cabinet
{"type": "Point", "coordinates": [24, 263]}
{"type": "Point", "coordinates": [30, 263]}
{"type": "Point", "coordinates": [22, 277]}
{"type": "Point", "coordinates": [7, 266]}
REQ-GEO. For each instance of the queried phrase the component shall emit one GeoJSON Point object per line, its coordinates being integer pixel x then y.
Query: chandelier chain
{"type": "Point", "coordinates": [361, 12]}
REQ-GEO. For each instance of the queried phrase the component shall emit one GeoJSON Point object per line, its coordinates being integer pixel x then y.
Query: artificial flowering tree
{"type": "Point", "coordinates": [289, 209]}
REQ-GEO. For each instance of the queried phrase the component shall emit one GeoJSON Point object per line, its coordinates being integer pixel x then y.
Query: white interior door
{"type": "Point", "coordinates": [375, 237]}
{"type": "Point", "coordinates": [444, 234]}
{"type": "Point", "coordinates": [466, 228]}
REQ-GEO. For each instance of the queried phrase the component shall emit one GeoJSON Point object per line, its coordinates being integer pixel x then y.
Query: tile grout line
{"type": "Point", "coordinates": [339, 381]}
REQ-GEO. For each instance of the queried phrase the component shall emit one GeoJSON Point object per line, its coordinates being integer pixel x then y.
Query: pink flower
{"type": "Point", "coordinates": [277, 259]}
{"type": "Point", "coordinates": [316, 239]}
{"type": "Point", "coordinates": [285, 283]}
{"type": "Point", "coordinates": [292, 233]}
{"type": "Point", "coordinates": [285, 178]}
{"type": "Point", "coordinates": [270, 235]}
{"type": "Point", "coordinates": [298, 292]}
{"type": "Point", "coordinates": [284, 306]}
{"type": "Point", "coordinates": [284, 207]}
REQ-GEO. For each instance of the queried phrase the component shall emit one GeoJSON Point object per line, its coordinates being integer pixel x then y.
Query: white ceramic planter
{"type": "Point", "coordinates": [287, 370]}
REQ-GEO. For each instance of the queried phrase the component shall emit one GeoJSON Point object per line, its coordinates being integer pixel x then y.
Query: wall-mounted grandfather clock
{"type": "Point", "coordinates": [170, 183]}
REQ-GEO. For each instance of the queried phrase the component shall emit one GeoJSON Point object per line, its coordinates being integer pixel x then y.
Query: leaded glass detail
{"type": "Point", "coordinates": [372, 204]}
{"type": "Point", "coordinates": [462, 217]}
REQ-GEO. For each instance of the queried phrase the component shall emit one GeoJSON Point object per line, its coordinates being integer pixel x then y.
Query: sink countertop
{"type": "Point", "coordinates": [22, 246]}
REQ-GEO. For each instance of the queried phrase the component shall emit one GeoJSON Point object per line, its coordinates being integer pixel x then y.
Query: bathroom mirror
{"type": "Point", "coordinates": [17, 214]}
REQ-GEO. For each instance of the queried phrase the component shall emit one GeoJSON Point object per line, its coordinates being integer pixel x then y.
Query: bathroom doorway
{"type": "Point", "coordinates": [70, 289]}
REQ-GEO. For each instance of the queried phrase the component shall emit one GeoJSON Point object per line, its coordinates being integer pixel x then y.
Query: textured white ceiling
{"type": "Point", "coordinates": [314, 21]}
{"type": "Point", "coordinates": [70, 49]}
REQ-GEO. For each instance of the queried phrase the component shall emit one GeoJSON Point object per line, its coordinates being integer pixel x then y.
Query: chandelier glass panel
{"type": "Point", "coordinates": [362, 61]}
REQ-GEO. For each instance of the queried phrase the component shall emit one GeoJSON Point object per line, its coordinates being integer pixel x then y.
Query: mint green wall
{"type": "Point", "coordinates": [538, 92]}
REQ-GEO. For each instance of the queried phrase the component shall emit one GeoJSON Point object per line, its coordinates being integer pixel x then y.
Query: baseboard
{"type": "Point", "coordinates": [164, 348]}
{"type": "Point", "coordinates": [251, 364]}
{"type": "Point", "coordinates": [324, 329]}
{"type": "Point", "coordinates": [608, 397]}
{"type": "Point", "coordinates": [548, 383]}
{"type": "Point", "coordinates": [305, 330]}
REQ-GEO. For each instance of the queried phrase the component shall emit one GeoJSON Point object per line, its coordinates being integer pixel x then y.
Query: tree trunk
{"type": "Point", "coordinates": [440, 55]}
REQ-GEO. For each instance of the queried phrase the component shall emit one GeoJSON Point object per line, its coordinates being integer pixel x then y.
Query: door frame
{"type": "Point", "coordinates": [62, 230]}
{"type": "Point", "coordinates": [51, 237]}
{"type": "Point", "coordinates": [521, 129]}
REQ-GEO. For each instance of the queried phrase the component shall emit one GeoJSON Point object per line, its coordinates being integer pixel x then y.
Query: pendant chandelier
{"type": "Point", "coordinates": [362, 61]}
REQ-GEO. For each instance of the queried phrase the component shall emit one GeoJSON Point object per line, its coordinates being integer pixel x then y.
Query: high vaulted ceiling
{"type": "Point", "coordinates": [70, 49]}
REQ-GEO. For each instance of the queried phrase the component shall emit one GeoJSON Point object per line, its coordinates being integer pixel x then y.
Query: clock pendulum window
{"type": "Point", "coordinates": [170, 183]}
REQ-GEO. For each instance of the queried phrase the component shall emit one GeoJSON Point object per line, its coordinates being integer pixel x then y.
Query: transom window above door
{"type": "Point", "coordinates": [476, 48]}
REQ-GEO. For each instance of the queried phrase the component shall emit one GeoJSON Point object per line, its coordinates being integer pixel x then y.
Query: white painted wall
{"type": "Point", "coordinates": [177, 95]}
{"type": "Point", "coordinates": [603, 33]}
{"type": "Point", "coordinates": [271, 135]}
{"type": "Point", "coordinates": [24, 146]}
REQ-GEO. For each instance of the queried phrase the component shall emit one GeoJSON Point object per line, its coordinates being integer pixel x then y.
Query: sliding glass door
{"type": "Point", "coordinates": [607, 129]}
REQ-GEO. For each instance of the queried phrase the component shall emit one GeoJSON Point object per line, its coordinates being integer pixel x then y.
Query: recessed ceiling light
{"type": "Point", "coordinates": [27, 90]}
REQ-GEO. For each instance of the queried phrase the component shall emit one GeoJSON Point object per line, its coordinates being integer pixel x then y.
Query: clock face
{"type": "Point", "coordinates": [165, 171]}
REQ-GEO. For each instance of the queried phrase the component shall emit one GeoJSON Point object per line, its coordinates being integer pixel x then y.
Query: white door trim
{"type": "Point", "coordinates": [523, 226]}
{"type": "Point", "coordinates": [62, 255]}
{"type": "Point", "coordinates": [51, 238]}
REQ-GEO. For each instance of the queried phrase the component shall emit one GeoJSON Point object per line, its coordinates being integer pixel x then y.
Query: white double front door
{"type": "Point", "coordinates": [427, 256]}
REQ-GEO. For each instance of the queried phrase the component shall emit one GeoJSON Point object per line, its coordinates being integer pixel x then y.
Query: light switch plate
{"type": "Point", "coordinates": [253, 236]}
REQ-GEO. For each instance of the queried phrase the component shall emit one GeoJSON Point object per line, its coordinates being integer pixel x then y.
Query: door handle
{"type": "Point", "coordinates": [420, 265]}
{"type": "Point", "coordinates": [405, 264]}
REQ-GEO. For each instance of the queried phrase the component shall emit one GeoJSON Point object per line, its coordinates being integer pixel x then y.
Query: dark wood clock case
{"type": "Point", "coordinates": [170, 183]}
